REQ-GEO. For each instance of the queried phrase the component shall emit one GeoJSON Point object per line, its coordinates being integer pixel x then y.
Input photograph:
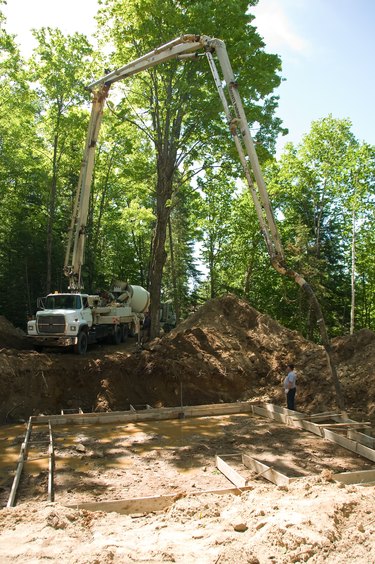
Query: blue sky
{"type": "Point", "coordinates": [327, 48]}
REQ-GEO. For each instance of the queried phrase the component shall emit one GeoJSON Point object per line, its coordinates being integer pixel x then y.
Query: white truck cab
{"type": "Point", "coordinates": [76, 319]}
{"type": "Point", "coordinates": [61, 320]}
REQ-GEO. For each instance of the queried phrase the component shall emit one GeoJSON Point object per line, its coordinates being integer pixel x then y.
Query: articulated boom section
{"type": "Point", "coordinates": [186, 47]}
{"type": "Point", "coordinates": [183, 47]}
{"type": "Point", "coordinates": [77, 231]}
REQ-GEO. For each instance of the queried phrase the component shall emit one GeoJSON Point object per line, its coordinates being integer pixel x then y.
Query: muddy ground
{"type": "Point", "coordinates": [225, 352]}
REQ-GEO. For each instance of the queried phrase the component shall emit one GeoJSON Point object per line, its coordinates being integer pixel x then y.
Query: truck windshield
{"type": "Point", "coordinates": [63, 301]}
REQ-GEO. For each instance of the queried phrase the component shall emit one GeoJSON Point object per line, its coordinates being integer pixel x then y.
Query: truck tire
{"type": "Point", "coordinates": [131, 330]}
{"type": "Point", "coordinates": [124, 333]}
{"type": "Point", "coordinates": [116, 335]}
{"type": "Point", "coordinates": [81, 346]}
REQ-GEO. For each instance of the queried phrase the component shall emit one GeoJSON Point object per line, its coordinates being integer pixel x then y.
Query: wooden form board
{"type": "Point", "coordinates": [276, 413]}
{"type": "Point", "coordinates": [142, 505]}
{"type": "Point", "coordinates": [229, 472]}
{"type": "Point", "coordinates": [51, 466]}
{"type": "Point", "coordinates": [266, 472]}
{"type": "Point", "coordinates": [23, 456]}
{"type": "Point", "coordinates": [321, 431]}
{"type": "Point", "coordinates": [261, 469]}
{"type": "Point", "coordinates": [357, 442]}
{"type": "Point", "coordinates": [359, 477]}
{"type": "Point", "coordinates": [21, 461]}
{"type": "Point", "coordinates": [361, 438]}
{"type": "Point", "coordinates": [146, 414]}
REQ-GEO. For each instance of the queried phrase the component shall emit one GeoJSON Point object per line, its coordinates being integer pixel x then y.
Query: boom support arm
{"type": "Point", "coordinates": [185, 47]}
{"type": "Point", "coordinates": [180, 48]}
{"type": "Point", "coordinates": [76, 245]}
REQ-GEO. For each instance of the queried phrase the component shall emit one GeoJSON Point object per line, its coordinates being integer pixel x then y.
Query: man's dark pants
{"type": "Point", "coordinates": [290, 398]}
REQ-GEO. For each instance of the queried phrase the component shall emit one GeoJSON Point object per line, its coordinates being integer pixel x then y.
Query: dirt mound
{"type": "Point", "coordinates": [226, 351]}
{"type": "Point", "coordinates": [11, 337]}
{"type": "Point", "coordinates": [348, 346]}
{"type": "Point", "coordinates": [355, 357]}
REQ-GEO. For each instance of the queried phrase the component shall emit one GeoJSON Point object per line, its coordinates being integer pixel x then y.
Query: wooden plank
{"type": "Point", "coordinates": [359, 477]}
{"type": "Point", "coordinates": [346, 425]}
{"type": "Point", "coordinates": [366, 452]}
{"type": "Point", "coordinates": [287, 420]}
{"type": "Point", "coordinates": [279, 417]}
{"type": "Point", "coordinates": [308, 426]}
{"type": "Point", "coordinates": [147, 414]}
{"type": "Point", "coordinates": [361, 438]}
{"type": "Point", "coordinates": [325, 414]}
{"type": "Point", "coordinates": [150, 504]}
{"type": "Point", "coordinates": [267, 472]}
{"type": "Point", "coordinates": [230, 473]}
{"type": "Point", "coordinates": [51, 466]}
{"type": "Point", "coordinates": [21, 460]}
{"type": "Point", "coordinates": [353, 446]}
{"type": "Point", "coordinates": [321, 417]}
{"type": "Point", "coordinates": [272, 408]}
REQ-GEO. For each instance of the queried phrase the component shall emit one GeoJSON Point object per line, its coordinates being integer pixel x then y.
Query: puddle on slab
{"type": "Point", "coordinates": [88, 447]}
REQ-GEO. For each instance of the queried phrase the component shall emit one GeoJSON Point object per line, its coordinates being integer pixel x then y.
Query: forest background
{"type": "Point", "coordinates": [166, 164]}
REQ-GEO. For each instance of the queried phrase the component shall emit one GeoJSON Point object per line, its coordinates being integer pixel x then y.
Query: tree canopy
{"type": "Point", "coordinates": [168, 209]}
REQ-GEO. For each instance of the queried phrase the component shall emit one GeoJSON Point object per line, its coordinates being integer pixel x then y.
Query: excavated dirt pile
{"type": "Point", "coordinates": [11, 337]}
{"type": "Point", "coordinates": [226, 351]}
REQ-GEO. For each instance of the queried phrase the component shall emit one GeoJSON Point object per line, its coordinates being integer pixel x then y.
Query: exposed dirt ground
{"type": "Point", "coordinates": [225, 352]}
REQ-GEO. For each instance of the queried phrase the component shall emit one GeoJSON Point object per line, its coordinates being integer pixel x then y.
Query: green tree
{"type": "Point", "coordinates": [176, 105]}
{"type": "Point", "coordinates": [21, 174]}
{"type": "Point", "coordinates": [60, 67]}
{"type": "Point", "coordinates": [314, 190]}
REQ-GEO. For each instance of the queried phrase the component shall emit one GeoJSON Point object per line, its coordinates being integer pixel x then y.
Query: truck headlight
{"type": "Point", "coordinates": [73, 328]}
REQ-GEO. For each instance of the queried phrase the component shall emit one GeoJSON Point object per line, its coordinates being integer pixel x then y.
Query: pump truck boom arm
{"type": "Point", "coordinates": [180, 48]}
{"type": "Point", "coordinates": [185, 47]}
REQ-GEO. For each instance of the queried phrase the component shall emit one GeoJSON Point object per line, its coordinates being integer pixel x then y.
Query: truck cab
{"type": "Point", "coordinates": [60, 320]}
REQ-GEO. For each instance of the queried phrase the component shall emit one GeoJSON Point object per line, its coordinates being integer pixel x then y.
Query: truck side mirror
{"type": "Point", "coordinates": [40, 302]}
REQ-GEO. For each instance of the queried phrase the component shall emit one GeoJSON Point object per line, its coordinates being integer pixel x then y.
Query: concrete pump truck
{"type": "Point", "coordinates": [85, 320]}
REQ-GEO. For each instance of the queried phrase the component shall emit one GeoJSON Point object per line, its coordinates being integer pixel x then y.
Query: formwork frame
{"type": "Point", "coordinates": [358, 442]}
{"type": "Point", "coordinates": [24, 456]}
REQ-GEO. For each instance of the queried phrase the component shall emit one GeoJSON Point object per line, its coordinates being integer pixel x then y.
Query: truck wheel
{"type": "Point", "coordinates": [116, 335]}
{"type": "Point", "coordinates": [81, 346]}
{"type": "Point", "coordinates": [124, 333]}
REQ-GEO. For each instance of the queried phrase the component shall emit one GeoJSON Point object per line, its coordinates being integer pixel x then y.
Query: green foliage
{"type": "Point", "coordinates": [165, 156]}
{"type": "Point", "coordinates": [315, 187]}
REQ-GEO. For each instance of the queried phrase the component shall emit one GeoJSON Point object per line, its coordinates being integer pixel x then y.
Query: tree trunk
{"type": "Point", "coordinates": [168, 131]}
{"type": "Point", "coordinates": [212, 271]}
{"type": "Point", "coordinates": [352, 308]}
{"type": "Point", "coordinates": [51, 215]}
{"type": "Point", "coordinates": [159, 255]}
{"type": "Point", "coordinates": [176, 301]}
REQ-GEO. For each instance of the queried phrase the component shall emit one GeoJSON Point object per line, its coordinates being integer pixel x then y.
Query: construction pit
{"type": "Point", "coordinates": [126, 460]}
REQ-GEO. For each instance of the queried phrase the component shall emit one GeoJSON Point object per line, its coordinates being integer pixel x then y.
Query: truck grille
{"type": "Point", "coordinates": [51, 324]}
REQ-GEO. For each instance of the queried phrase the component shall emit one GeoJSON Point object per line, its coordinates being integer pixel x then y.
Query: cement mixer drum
{"type": "Point", "coordinates": [139, 298]}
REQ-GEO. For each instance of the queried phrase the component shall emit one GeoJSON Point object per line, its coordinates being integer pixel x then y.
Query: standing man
{"type": "Point", "coordinates": [290, 386]}
{"type": "Point", "coordinates": [146, 327]}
